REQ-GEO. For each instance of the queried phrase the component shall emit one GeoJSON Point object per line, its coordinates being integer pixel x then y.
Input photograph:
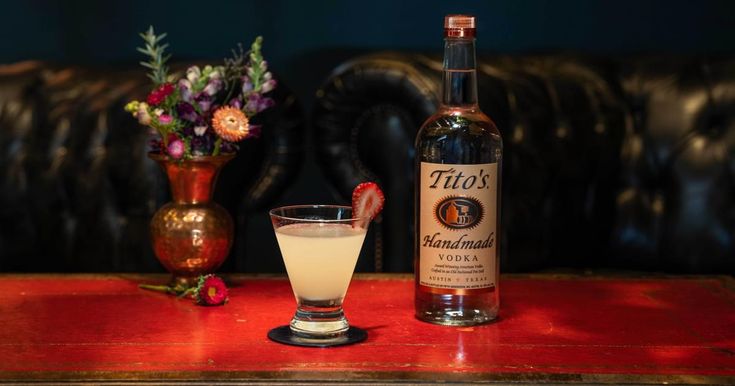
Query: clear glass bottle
{"type": "Point", "coordinates": [458, 163]}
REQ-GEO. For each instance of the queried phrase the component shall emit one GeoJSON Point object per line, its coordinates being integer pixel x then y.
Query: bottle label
{"type": "Point", "coordinates": [458, 217]}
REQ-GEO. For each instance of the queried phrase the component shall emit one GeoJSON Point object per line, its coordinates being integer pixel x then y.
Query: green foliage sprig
{"type": "Point", "coordinates": [154, 49]}
{"type": "Point", "coordinates": [257, 68]}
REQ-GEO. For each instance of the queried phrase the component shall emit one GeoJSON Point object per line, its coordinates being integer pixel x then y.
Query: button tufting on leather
{"type": "Point", "coordinates": [623, 163]}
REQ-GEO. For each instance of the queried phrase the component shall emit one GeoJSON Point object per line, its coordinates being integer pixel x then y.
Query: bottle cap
{"type": "Point", "coordinates": [459, 26]}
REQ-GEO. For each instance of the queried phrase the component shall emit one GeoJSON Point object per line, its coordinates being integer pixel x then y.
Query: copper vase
{"type": "Point", "coordinates": [191, 235]}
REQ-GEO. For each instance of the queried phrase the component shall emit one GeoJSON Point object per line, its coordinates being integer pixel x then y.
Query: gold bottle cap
{"type": "Point", "coordinates": [459, 26]}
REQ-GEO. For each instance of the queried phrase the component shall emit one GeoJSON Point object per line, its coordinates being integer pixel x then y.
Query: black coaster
{"type": "Point", "coordinates": [283, 334]}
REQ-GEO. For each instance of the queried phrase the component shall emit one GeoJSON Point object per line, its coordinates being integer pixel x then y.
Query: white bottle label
{"type": "Point", "coordinates": [458, 217]}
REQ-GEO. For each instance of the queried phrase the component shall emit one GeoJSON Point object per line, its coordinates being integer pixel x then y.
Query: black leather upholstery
{"type": "Point", "coordinates": [77, 190]}
{"type": "Point", "coordinates": [621, 163]}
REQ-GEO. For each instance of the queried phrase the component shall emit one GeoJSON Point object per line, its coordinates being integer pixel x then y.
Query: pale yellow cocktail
{"type": "Point", "coordinates": [320, 258]}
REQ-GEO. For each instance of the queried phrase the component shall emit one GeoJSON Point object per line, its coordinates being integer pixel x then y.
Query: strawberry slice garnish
{"type": "Point", "coordinates": [367, 201]}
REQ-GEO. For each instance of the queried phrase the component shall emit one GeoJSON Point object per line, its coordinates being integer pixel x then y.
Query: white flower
{"type": "Point", "coordinates": [158, 112]}
{"type": "Point", "coordinates": [216, 73]}
{"type": "Point", "coordinates": [268, 86]}
{"type": "Point", "coordinates": [142, 114]}
{"type": "Point", "coordinates": [200, 130]}
{"type": "Point", "coordinates": [184, 83]}
{"type": "Point", "coordinates": [193, 73]}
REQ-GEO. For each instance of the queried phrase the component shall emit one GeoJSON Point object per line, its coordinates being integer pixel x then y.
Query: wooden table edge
{"type": "Point", "coordinates": [351, 377]}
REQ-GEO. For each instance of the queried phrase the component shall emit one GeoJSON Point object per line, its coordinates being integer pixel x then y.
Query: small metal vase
{"type": "Point", "coordinates": [192, 235]}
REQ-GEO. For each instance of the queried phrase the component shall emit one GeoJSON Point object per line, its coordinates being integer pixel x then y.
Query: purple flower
{"type": "Point", "coordinates": [176, 148]}
{"type": "Point", "coordinates": [204, 101]}
{"type": "Point", "coordinates": [186, 111]}
{"type": "Point", "coordinates": [165, 119]}
{"type": "Point", "coordinates": [213, 86]}
{"type": "Point", "coordinates": [255, 131]}
{"type": "Point", "coordinates": [268, 103]}
{"type": "Point", "coordinates": [185, 90]}
{"type": "Point", "coordinates": [236, 103]}
{"type": "Point", "coordinates": [188, 131]}
{"type": "Point", "coordinates": [258, 103]}
{"type": "Point", "coordinates": [254, 101]}
{"type": "Point", "coordinates": [247, 85]}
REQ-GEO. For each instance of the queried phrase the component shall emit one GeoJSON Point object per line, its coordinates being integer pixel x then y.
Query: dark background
{"type": "Point", "coordinates": [84, 32]}
{"type": "Point", "coordinates": [305, 40]}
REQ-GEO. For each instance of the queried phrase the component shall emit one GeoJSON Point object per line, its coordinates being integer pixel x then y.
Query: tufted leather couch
{"type": "Point", "coordinates": [609, 163]}
{"type": "Point", "coordinates": [77, 190]}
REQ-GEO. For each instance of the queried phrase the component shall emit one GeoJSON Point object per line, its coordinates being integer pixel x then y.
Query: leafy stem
{"type": "Point", "coordinates": [257, 68]}
{"type": "Point", "coordinates": [217, 146]}
{"type": "Point", "coordinates": [154, 49]}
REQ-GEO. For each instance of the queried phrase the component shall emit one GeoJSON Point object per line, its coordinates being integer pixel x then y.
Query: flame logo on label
{"type": "Point", "coordinates": [458, 212]}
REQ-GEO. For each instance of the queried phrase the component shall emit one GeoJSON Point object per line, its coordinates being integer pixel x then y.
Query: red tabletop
{"type": "Point", "coordinates": [577, 329]}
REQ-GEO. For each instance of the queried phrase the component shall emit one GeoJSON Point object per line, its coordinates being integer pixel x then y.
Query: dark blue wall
{"type": "Point", "coordinates": [103, 31]}
{"type": "Point", "coordinates": [305, 39]}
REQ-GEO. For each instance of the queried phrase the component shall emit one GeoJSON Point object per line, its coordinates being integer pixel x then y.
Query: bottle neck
{"type": "Point", "coordinates": [460, 74]}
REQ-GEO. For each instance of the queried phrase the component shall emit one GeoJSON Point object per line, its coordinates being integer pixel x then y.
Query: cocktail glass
{"type": "Point", "coordinates": [320, 245]}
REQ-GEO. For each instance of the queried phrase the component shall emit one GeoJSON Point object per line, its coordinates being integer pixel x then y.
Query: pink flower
{"type": "Point", "coordinates": [210, 291]}
{"type": "Point", "coordinates": [165, 119]}
{"type": "Point", "coordinates": [176, 148]}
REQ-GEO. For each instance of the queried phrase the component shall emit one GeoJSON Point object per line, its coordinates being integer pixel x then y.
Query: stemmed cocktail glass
{"type": "Point", "coordinates": [320, 245]}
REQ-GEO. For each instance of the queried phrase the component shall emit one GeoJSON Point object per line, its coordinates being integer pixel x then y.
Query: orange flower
{"type": "Point", "coordinates": [231, 124]}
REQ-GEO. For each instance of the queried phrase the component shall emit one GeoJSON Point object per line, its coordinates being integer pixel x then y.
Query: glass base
{"type": "Point", "coordinates": [319, 320]}
{"type": "Point", "coordinates": [285, 335]}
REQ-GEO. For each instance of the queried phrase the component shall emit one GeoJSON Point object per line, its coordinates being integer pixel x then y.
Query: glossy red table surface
{"type": "Point", "coordinates": [558, 329]}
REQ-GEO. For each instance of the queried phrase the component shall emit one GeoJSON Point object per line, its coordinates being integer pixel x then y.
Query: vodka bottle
{"type": "Point", "coordinates": [458, 158]}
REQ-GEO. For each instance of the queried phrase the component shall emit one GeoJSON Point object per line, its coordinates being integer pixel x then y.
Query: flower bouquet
{"type": "Point", "coordinates": [207, 110]}
{"type": "Point", "coordinates": [197, 119]}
